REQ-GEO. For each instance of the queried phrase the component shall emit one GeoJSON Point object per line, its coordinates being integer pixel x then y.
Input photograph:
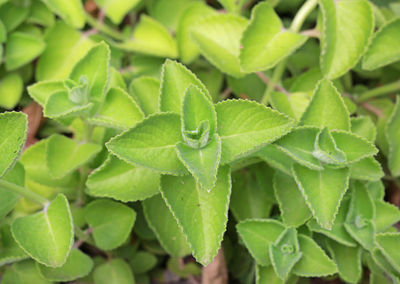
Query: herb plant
{"type": "Point", "coordinates": [282, 173]}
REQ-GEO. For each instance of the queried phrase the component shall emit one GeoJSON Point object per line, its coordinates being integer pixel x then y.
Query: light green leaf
{"type": "Point", "coordinates": [348, 261]}
{"type": "Point", "coordinates": [64, 48]}
{"type": "Point", "coordinates": [70, 11]}
{"type": "Point", "coordinates": [257, 235]}
{"type": "Point", "coordinates": [41, 91]}
{"type": "Point", "coordinates": [386, 215]}
{"type": "Point", "coordinates": [326, 149]}
{"type": "Point", "coordinates": [111, 222]}
{"type": "Point", "coordinates": [11, 88]}
{"type": "Point", "coordinates": [285, 253]}
{"type": "Point", "coordinates": [64, 155]}
{"type": "Point", "coordinates": [202, 163]}
{"type": "Point", "coordinates": [388, 244]}
{"type": "Point", "coordinates": [390, 273]}
{"type": "Point", "coordinates": [314, 262]}
{"type": "Point", "coordinates": [299, 144]}
{"type": "Point", "coordinates": [40, 14]}
{"type": "Point", "coordinates": [115, 271]}
{"type": "Point", "coordinates": [323, 191]}
{"type": "Point", "coordinates": [338, 232]}
{"type": "Point", "coordinates": [385, 46]}
{"type": "Point", "coordinates": [366, 169]}
{"type": "Point", "coordinates": [354, 147]}
{"type": "Point", "coordinates": [203, 215]}
{"type": "Point", "coordinates": [265, 41]}
{"type": "Point", "coordinates": [128, 113]}
{"type": "Point", "coordinates": [175, 79]}
{"type": "Point", "coordinates": [347, 27]}
{"type": "Point", "coordinates": [218, 39]}
{"type": "Point", "coordinates": [245, 126]}
{"type": "Point", "coordinates": [364, 127]}
{"type": "Point", "coordinates": [232, 6]}
{"type": "Point", "coordinates": [392, 130]}
{"type": "Point", "coordinates": [21, 48]}
{"type": "Point", "coordinates": [326, 108]}
{"type": "Point", "coordinates": [23, 272]}
{"type": "Point", "coordinates": [10, 251]}
{"type": "Point", "coordinates": [117, 9]}
{"type": "Point", "coordinates": [188, 50]}
{"type": "Point", "coordinates": [252, 192]}
{"type": "Point", "coordinates": [150, 37]}
{"type": "Point", "coordinates": [13, 127]}
{"type": "Point", "coordinates": [294, 210]}
{"type": "Point", "coordinates": [8, 198]}
{"type": "Point", "coordinates": [142, 262]}
{"type": "Point", "coordinates": [276, 158]}
{"type": "Point", "coordinates": [145, 92]}
{"type": "Point", "coordinates": [267, 275]}
{"type": "Point", "coordinates": [78, 265]}
{"type": "Point", "coordinates": [12, 15]}
{"type": "Point", "coordinates": [46, 236]}
{"type": "Point", "coordinates": [122, 181]}
{"type": "Point", "coordinates": [151, 143]}
{"type": "Point", "coordinates": [165, 227]}
{"type": "Point", "coordinates": [359, 220]}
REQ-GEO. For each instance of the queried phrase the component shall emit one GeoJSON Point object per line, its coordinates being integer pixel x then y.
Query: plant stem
{"type": "Point", "coordinates": [298, 21]}
{"type": "Point", "coordinates": [100, 26]}
{"type": "Point", "coordinates": [28, 194]}
{"type": "Point", "coordinates": [379, 92]}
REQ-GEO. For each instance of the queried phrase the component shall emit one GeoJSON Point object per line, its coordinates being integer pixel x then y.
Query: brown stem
{"type": "Point", "coordinates": [216, 272]}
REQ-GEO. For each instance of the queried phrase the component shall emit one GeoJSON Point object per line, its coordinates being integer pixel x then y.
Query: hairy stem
{"type": "Point", "coordinates": [379, 92]}
{"type": "Point", "coordinates": [298, 21]}
{"type": "Point", "coordinates": [28, 194]}
{"type": "Point", "coordinates": [100, 26]}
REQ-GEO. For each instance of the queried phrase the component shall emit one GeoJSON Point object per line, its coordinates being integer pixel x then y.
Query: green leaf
{"type": "Point", "coordinates": [390, 273]}
{"type": "Point", "coordinates": [203, 215]}
{"type": "Point", "coordinates": [388, 244]}
{"type": "Point", "coordinates": [23, 272]}
{"type": "Point", "coordinates": [95, 68]}
{"type": "Point", "coordinates": [115, 271]}
{"type": "Point", "coordinates": [338, 232]}
{"type": "Point", "coordinates": [265, 41]}
{"type": "Point", "coordinates": [142, 262]}
{"type": "Point", "coordinates": [150, 37]}
{"type": "Point", "coordinates": [13, 127]}
{"type": "Point", "coordinates": [175, 79]}
{"type": "Point", "coordinates": [246, 126]}
{"type": "Point", "coordinates": [355, 148]}
{"type": "Point", "coordinates": [12, 85]}
{"type": "Point", "coordinates": [116, 10]}
{"type": "Point", "coordinates": [348, 261]}
{"type": "Point", "coordinates": [384, 48]}
{"type": "Point", "coordinates": [323, 191]}
{"type": "Point", "coordinates": [188, 50]}
{"type": "Point", "coordinates": [65, 155]}
{"type": "Point", "coordinates": [257, 235]}
{"type": "Point", "coordinates": [12, 14]}
{"type": "Point", "coordinates": [218, 39]}
{"type": "Point", "coordinates": [326, 108]}
{"type": "Point", "coordinates": [40, 14]}
{"type": "Point", "coordinates": [165, 227]}
{"type": "Point", "coordinates": [128, 113]}
{"type": "Point", "coordinates": [386, 215]}
{"type": "Point", "coordinates": [359, 220]}
{"type": "Point", "coordinates": [22, 48]}
{"type": "Point", "coordinates": [314, 262]}
{"type": "Point", "coordinates": [252, 192]}
{"type": "Point", "coordinates": [366, 169]}
{"type": "Point", "coordinates": [59, 106]}
{"type": "Point", "coordinates": [111, 222]}
{"type": "Point", "coordinates": [8, 198]}
{"type": "Point", "coordinates": [64, 48]}
{"type": "Point", "coordinates": [151, 143]}
{"type": "Point", "coordinates": [122, 181]}
{"type": "Point", "coordinates": [41, 91]}
{"type": "Point", "coordinates": [10, 251]}
{"type": "Point", "coordinates": [78, 265]}
{"type": "Point", "coordinates": [363, 126]}
{"type": "Point", "coordinates": [276, 158]}
{"type": "Point", "coordinates": [267, 275]}
{"type": "Point", "coordinates": [299, 144]}
{"type": "Point", "coordinates": [145, 92]}
{"type": "Point", "coordinates": [294, 210]}
{"type": "Point", "coordinates": [392, 128]}
{"type": "Point", "coordinates": [232, 5]}
{"type": "Point", "coordinates": [347, 27]}
{"type": "Point", "coordinates": [202, 163]}
{"type": "Point", "coordinates": [46, 236]}
{"type": "Point", "coordinates": [71, 11]}
{"type": "Point", "coordinates": [284, 252]}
